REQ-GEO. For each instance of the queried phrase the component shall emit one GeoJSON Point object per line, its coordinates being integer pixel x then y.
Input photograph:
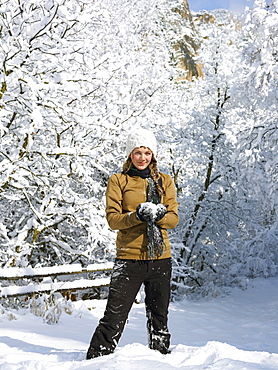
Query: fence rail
{"type": "Point", "coordinates": [16, 282]}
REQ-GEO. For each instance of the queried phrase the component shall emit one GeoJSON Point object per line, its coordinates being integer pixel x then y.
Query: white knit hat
{"type": "Point", "coordinates": [141, 137]}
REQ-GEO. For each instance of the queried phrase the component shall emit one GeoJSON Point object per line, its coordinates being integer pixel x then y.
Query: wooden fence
{"type": "Point", "coordinates": [66, 279]}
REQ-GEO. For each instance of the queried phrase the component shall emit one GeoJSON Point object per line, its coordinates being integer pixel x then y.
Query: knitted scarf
{"type": "Point", "coordinates": [156, 245]}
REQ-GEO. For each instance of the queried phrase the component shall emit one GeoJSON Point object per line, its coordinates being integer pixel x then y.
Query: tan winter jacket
{"type": "Point", "coordinates": [123, 195]}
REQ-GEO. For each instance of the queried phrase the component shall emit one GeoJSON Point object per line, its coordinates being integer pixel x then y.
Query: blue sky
{"type": "Point", "coordinates": [234, 5]}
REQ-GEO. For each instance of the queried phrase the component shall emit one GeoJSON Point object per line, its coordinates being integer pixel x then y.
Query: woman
{"type": "Point", "coordinates": [141, 204]}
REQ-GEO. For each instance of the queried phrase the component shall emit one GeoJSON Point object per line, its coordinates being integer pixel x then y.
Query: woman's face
{"type": "Point", "coordinates": [141, 157]}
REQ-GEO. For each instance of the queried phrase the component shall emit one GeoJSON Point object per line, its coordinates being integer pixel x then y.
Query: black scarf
{"type": "Point", "coordinates": [156, 245]}
{"type": "Point", "coordinates": [133, 171]}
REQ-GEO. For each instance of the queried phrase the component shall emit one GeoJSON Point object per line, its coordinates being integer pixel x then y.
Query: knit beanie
{"type": "Point", "coordinates": [141, 137]}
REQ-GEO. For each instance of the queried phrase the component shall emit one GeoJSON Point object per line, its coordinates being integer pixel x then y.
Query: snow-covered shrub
{"type": "Point", "coordinates": [260, 256]}
{"type": "Point", "coordinates": [50, 307]}
{"type": "Point", "coordinates": [6, 313]}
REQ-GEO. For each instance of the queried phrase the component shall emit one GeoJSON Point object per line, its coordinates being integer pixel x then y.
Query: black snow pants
{"type": "Point", "coordinates": [126, 280]}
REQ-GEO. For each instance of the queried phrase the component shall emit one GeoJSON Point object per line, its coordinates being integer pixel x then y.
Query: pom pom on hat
{"type": "Point", "coordinates": [141, 137]}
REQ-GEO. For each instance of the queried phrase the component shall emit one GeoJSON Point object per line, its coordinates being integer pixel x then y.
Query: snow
{"type": "Point", "coordinates": [235, 332]}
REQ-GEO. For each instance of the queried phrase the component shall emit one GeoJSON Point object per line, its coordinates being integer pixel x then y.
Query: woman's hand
{"type": "Point", "coordinates": [150, 212]}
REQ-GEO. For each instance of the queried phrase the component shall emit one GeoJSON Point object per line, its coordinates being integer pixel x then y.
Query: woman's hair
{"type": "Point", "coordinates": [153, 172]}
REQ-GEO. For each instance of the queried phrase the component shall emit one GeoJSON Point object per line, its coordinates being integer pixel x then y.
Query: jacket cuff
{"type": "Point", "coordinates": [133, 219]}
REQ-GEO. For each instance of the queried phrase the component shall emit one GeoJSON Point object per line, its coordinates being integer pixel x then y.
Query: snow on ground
{"type": "Point", "coordinates": [237, 332]}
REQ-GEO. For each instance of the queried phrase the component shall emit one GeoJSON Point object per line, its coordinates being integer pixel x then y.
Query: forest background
{"type": "Point", "coordinates": [77, 76]}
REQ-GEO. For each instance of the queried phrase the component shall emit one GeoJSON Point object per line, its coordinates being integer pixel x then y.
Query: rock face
{"type": "Point", "coordinates": [186, 48]}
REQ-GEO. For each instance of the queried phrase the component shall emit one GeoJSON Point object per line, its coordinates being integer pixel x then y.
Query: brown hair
{"type": "Point", "coordinates": [153, 172]}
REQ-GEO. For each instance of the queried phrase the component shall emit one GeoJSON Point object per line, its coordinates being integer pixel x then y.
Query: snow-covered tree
{"type": "Point", "coordinates": [203, 166]}
{"type": "Point", "coordinates": [75, 76]}
{"type": "Point", "coordinates": [256, 133]}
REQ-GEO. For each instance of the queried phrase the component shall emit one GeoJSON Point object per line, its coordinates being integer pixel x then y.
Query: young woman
{"type": "Point", "coordinates": [141, 204]}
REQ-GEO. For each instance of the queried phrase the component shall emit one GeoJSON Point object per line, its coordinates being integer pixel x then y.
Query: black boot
{"type": "Point", "coordinates": [160, 343]}
{"type": "Point", "coordinates": [91, 353]}
{"type": "Point", "coordinates": [101, 343]}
